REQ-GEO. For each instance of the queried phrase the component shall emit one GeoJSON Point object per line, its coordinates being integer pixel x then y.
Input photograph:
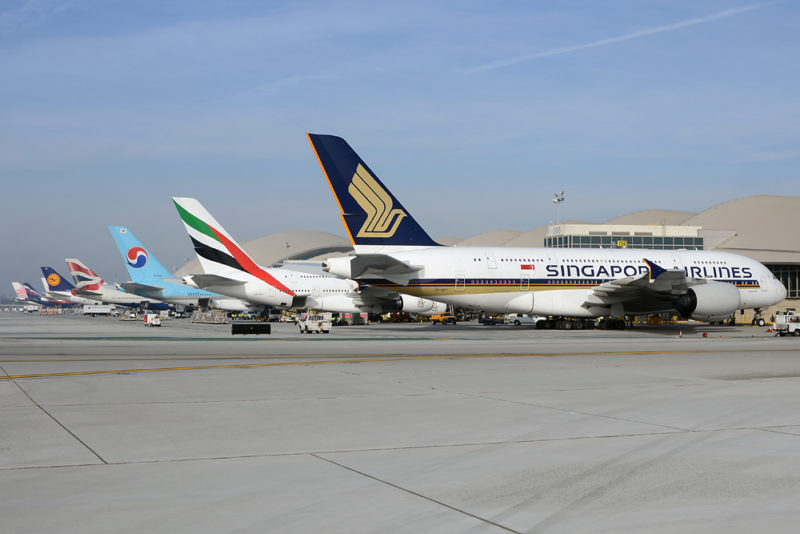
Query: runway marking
{"type": "Point", "coordinates": [368, 359]}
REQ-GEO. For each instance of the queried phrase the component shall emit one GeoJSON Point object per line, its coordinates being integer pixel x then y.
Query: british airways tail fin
{"type": "Point", "coordinates": [56, 282]}
{"type": "Point", "coordinates": [371, 214]}
{"type": "Point", "coordinates": [142, 265]}
{"type": "Point", "coordinates": [85, 278]}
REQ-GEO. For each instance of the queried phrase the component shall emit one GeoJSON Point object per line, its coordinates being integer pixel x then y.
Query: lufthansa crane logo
{"type": "Point", "coordinates": [53, 279]}
{"type": "Point", "coordinates": [382, 220]}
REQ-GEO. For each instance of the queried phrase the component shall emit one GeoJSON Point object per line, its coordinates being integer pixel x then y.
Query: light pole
{"type": "Point", "coordinates": [559, 198]}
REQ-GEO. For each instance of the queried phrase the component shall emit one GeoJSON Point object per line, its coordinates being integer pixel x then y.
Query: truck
{"type": "Point", "coordinates": [787, 323]}
{"type": "Point", "coordinates": [152, 319]}
{"type": "Point", "coordinates": [444, 318]}
{"type": "Point", "coordinates": [98, 309]}
{"type": "Point", "coordinates": [315, 322]}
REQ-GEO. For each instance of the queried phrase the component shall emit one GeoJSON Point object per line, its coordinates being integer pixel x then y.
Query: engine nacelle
{"type": "Point", "coordinates": [420, 305]}
{"type": "Point", "coordinates": [712, 301]}
{"type": "Point", "coordinates": [233, 305]}
{"type": "Point", "coordinates": [339, 266]}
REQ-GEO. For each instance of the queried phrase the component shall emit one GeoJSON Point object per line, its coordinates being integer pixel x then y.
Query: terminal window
{"type": "Point", "coordinates": [624, 241]}
{"type": "Point", "coordinates": [789, 275]}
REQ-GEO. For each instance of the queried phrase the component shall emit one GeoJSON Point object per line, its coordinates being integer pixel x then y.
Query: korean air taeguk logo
{"type": "Point", "coordinates": [137, 257]}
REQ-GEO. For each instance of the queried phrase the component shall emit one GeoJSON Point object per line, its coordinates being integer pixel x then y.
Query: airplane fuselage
{"type": "Point", "coordinates": [494, 278]}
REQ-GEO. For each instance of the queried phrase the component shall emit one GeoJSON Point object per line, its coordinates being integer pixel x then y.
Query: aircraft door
{"type": "Point", "coordinates": [491, 262]}
{"type": "Point", "coordinates": [460, 284]}
{"type": "Point", "coordinates": [524, 281]}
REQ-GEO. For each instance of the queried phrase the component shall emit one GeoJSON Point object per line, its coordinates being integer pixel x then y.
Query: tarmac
{"type": "Point", "coordinates": [109, 426]}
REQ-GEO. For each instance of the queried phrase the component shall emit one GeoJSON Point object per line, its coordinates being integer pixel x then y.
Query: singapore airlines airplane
{"type": "Point", "coordinates": [230, 271]}
{"type": "Point", "coordinates": [393, 251]}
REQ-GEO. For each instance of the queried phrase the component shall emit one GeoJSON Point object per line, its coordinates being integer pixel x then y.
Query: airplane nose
{"type": "Point", "coordinates": [781, 290]}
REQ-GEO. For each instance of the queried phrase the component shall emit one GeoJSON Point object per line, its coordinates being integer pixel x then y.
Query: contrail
{"type": "Point", "coordinates": [500, 63]}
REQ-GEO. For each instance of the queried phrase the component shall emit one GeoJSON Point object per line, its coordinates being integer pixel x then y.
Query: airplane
{"type": "Point", "coordinates": [58, 287]}
{"type": "Point", "coordinates": [89, 285]}
{"type": "Point", "coordinates": [151, 279]}
{"type": "Point", "coordinates": [231, 271]}
{"type": "Point", "coordinates": [24, 291]}
{"type": "Point", "coordinates": [394, 252]}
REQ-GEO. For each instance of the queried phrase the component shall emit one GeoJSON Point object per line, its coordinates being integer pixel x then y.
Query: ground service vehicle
{"type": "Point", "coordinates": [152, 319]}
{"type": "Point", "coordinates": [787, 323]}
{"type": "Point", "coordinates": [443, 318]}
{"type": "Point", "coordinates": [97, 309]}
{"type": "Point", "coordinates": [319, 323]}
{"type": "Point", "coordinates": [518, 319]}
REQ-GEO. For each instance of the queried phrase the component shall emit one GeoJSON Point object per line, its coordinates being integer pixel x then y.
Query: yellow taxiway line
{"type": "Point", "coordinates": [384, 358]}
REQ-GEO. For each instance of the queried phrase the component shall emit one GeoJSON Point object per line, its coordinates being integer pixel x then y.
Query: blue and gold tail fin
{"type": "Point", "coordinates": [56, 282]}
{"type": "Point", "coordinates": [142, 266]}
{"type": "Point", "coordinates": [371, 214]}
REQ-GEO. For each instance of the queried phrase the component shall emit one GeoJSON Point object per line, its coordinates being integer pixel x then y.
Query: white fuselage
{"type": "Point", "coordinates": [556, 281]}
{"type": "Point", "coordinates": [321, 292]}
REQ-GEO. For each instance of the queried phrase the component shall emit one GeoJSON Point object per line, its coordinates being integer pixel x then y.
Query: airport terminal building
{"type": "Point", "coordinates": [763, 227]}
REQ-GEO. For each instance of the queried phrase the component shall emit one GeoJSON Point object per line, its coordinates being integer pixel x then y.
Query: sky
{"type": "Point", "coordinates": [472, 112]}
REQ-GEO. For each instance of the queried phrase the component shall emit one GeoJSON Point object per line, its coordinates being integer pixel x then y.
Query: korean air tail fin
{"type": "Point", "coordinates": [85, 278]}
{"type": "Point", "coordinates": [371, 214]}
{"type": "Point", "coordinates": [142, 265]}
{"type": "Point", "coordinates": [56, 282]}
{"type": "Point", "coordinates": [216, 249]}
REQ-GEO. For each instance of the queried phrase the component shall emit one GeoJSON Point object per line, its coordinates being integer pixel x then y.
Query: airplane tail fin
{"type": "Point", "coordinates": [56, 282]}
{"type": "Point", "coordinates": [19, 291]}
{"type": "Point", "coordinates": [216, 249]}
{"type": "Point", "coordinates": [85, 278]}
{"type": "Point", "coordinates": [32, 294]}
{"type": "Point", "coordinates": [371, 214]}
{"type": "Point", "coordinates": [142, 265]}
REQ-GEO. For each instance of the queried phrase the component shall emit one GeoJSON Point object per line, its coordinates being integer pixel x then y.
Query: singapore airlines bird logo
{"type": "Point", "coordinates": [376, 203]}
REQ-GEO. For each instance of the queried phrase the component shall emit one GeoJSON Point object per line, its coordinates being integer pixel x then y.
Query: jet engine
{"type": "Point", "coordinates": [417, 305]}
{"type": "Point", "coordinates": [712, 301]}
{"type": "Point", "coordinates": [339, 266]}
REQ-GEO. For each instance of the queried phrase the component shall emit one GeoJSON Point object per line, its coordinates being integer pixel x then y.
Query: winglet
{"type": "Point", "coordinates": [655, 270]}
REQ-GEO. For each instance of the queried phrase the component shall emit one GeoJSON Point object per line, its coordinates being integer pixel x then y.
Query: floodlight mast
{"type": "Point", "coordinates": [559, 198]}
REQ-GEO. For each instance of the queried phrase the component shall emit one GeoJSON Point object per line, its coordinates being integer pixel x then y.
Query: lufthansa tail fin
{"type": "Point", "coordinates": [216, 249]}
{"type": "Point", "coordinates": [142, 265]}
{"type": "Point", "coordinates": [56, 282]}
{"type": "Point", "coordinates": [371, 214]}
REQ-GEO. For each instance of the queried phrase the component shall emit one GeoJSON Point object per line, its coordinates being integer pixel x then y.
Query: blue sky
{"type": "Point", "coordinates": [472, 112]}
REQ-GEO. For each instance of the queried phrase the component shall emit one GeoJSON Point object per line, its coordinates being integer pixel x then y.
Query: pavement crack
{"type": "Point", "coordinates": [416, 494]}
{"type": "Point", "coordinates": [51, 416]}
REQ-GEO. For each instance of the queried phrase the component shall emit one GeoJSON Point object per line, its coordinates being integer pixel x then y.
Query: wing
{"type": "Point", "coordinates": [653, 291]}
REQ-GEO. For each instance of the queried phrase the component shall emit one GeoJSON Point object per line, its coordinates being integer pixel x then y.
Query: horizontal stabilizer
{"type": "Point", "coordinates": [211, 280]}
{"type": "Point", "coordinates": [380, 265]}
{"type": "Point", "coordinates": [143, 290]}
